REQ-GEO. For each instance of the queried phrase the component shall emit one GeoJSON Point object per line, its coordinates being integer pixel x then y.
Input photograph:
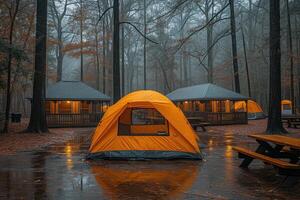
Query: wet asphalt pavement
{"type": "Point", "coordinates": [61, 172]}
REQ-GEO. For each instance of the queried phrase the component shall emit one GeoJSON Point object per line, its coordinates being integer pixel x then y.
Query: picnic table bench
{"type": "Point", "coordinates": [198, 122]}
{"type": "Point", "coordinates": [291, 120]}
{"type": "Point", "coordinates": [273, 149]}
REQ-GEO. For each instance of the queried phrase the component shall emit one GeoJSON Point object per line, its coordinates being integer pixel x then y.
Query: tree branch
{"type": "Point", "coordinates": [104, 14]}
{"type": "Point", "coordinates": [144, 36]}
{"type": "Point", "coordinates": [201, 28]}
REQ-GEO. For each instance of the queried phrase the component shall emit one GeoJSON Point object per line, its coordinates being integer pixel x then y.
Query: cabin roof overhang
{"type": "Point", "coordinates": [205, 92]}
{"type": "Point", "coordinates": [74, 91]}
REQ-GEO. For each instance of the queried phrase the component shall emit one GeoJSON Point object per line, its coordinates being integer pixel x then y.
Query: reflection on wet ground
{"type": "Point", "coordinates": [60, 172]}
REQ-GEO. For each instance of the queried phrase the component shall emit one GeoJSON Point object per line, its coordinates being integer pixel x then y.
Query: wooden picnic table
{"type": "Point", "coordinates": [278, 140]}
{"type": "Point", "coordinates": [198, 122]}
{"type": "Point", "coordinates": [272, 149]}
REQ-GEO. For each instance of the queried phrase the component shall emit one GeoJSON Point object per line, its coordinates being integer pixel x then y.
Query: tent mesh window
{"type": "Point", "coordinates": [142, 122]}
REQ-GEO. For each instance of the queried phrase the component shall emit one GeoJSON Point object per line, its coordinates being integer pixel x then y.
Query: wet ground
{"type": "Point", "coordinates": [61, 172]}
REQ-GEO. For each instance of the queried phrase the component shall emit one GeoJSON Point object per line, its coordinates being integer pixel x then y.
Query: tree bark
{"type": "Point", "coordinates": [104, 56]}
{"type": "Point", "coordinates": [246, 62]}
{"type": "Point", "coordinates": [123, 51]}
{"type": "Point", "coordinates": [81, 41]}
{"type": "Point", "coordinates": [274, 118]}
{"type": "Point", "coordinates": [116, 53]}
{"type": "Point", "coordinates": [60, 53]}
{"type": "Point", "coordinates": [145, 43]}
{"type": "Point", "coordinates": [209, 41]}
{"type": "Point", "coordinates": [291, 53]}
{"type": "Point", "coordinates": [97, 60]}
{"type": "Point", "coordinates": [38, 121]}
{"type": "Point", "coordinates": [234, 48]}
{"type": "Point", "coordinates": [57, 19]}
{"type": "Point", "coordinates": [9, 60]}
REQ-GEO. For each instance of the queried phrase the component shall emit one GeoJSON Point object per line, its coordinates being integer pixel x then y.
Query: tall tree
{"type": "Point", "coordinates": [103, 55]}
{"type": "Point", "coordinates": [209, 40]}
{"type": "Point", "coordinates": [116, 53]}
{"type": "Point", "coordinates": [274, 117]}
{"type": "Point", "coordinates": [145, 45]}
{"type": "Point", "coordinates": [38, 121]}
{"type": "Point", "coordinates": [13, 10]}
{"type": "Point", "coordinates": [81, 40]}
{"type": "Point", "coordinates": [290, 53]}
{"type": "Point", "coordinates": [57, 18]}
{"type": "Point", "coordinates": [234, 48]}
{"type": "Point", "coordinates": [123, 49]}
{"type": "Point", "coordinates": [246, 60]}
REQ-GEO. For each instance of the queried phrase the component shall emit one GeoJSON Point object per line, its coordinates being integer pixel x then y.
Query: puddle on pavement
{"type": "Point", "coordinates": [61, 172]}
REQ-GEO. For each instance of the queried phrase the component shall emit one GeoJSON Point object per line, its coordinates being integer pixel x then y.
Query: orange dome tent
{"type": "Point", "coordinates": [286, 107]}
{"type": "Point", "coordinates": [144, 125]}
{"type": "Point", "coordinates": [254, 110]}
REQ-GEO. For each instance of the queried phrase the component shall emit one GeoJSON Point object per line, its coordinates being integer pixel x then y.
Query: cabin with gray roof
{"type": "Point", "coordinates": [74, 104]}
{"type": "Point", "coordinates": [213, 104]}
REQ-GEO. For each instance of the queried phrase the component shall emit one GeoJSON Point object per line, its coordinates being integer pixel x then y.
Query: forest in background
{"type": "Point", "coordinates": [189, 42]}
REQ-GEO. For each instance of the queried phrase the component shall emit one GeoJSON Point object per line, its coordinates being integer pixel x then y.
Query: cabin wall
{"type": "Point", "coordinates": [216, 112]}
{"type": "Point", "coordinates": [75, 113]}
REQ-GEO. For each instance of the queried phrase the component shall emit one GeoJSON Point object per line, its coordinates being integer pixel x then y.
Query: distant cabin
{"type": "Point", "coordinates": [74, 104]}
{"type": "Point", "coordinates": [212, 103]}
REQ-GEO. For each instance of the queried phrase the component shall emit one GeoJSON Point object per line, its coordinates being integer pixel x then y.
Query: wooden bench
{"type": "Point", "coordinates": [201, 124]}
{"type": "Point", "coordinates": [295, 124]}
{"type": "Point", "coordinates": [284, 168]}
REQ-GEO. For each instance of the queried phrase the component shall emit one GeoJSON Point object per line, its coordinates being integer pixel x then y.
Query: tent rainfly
{"type": "Point", "coordinates": [254, 110]}
{"type": "Point", "coordinates": [144, 125]}
{"type": "Point", "coordinates": [286, 107]}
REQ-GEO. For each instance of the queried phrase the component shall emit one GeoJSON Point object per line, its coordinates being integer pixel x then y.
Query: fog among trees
{"type": "Point", "coordinates": [170, 44]}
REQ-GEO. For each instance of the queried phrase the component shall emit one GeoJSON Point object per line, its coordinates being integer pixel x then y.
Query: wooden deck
{"type": "Point", "coordinates": [73, 120]}
{"type": "Point", "coordinates": [220, 118]}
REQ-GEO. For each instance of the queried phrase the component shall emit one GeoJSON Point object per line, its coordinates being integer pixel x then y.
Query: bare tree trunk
{"type": "Point", "coordinates": [209, 40]}
{"type": "Point", "coordinates": [8, 83]}
{"type": "Point", "coordinates": [38, 121]}
{"type": "Point", "coordinates": [123, 52]}
{"type": "Point", "coordinates": [81, 40]}
{"type": "Point", "coordinates": [185, 70]}
{"type": "Point", "coordinates": [181, 53]}
{"type": "Point", "coordinates": [209, 54]}
{"type": "Point", "coordinates": [190, 71]}
{"type": "Point", "coordinates": [116, 53]}
{"type": "Point", "coordinates": [97, 60]}
{"type": "Point", "coordinates": [246, 62]}
{"type": "Point", "coordinates": [60, 54]}
{"type": "Point", "coordinates": [274, 117]}
{"type": "Point", "coordinates": [234, 48]}
{"type": "Point", "coordinates": [57, 18]}
{"type": "Point", "coordinates": [145, 43]}
{"type": "Point", "coordinates": [104, 56]}
{"type": "Point", "coordinates": [291, 53]}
